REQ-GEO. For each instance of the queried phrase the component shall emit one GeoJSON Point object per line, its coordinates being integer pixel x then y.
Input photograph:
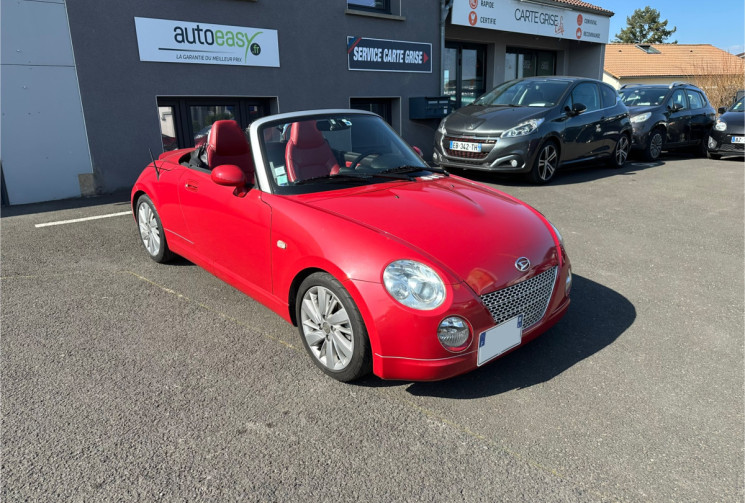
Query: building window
{"type": "Point", "coordinates": [186, 122]}
{"type": "Point", "coordinates": [380, 106]}
{"type": "Point", "coordinates": [382, 6]}
{"type": "Point", "coordinates": [521, 63]}
{"type": "Point", "coordinates": [464, 72]}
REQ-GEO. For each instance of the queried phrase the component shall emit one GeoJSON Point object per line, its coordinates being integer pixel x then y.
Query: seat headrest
{"type": "Point", "coordinates": [227, 138]}
{"type": "Point", "coordinates": [305, 134]}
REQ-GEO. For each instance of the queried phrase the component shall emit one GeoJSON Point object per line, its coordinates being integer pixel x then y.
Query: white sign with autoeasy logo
{"type": "Point", "coordinates": [170, 41]}
{"type": "Point", "coordinates": [532, 18]}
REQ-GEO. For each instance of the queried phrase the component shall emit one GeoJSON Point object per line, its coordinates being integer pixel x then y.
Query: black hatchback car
{"type": "Point", "coordinates": [727, 137]}
{"type": "Point", "coordinates": [665, 117]}
{"type": "Point", "coordinates": [534, 125]}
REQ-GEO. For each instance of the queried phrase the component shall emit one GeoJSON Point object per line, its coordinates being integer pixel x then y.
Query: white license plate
{"type": "Point", "coordinates": [465, 146]}
{"type": "Point", "coordinates": [738, 139]}
{"type": "Point", "coordinates": [499, 339]}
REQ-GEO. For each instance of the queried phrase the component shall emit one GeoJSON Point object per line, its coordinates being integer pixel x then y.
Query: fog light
{"type": "Point", "coordinates": [454, 333]}
{"type": "Point", "coordinates": [513, 163]}
{"type": "Point", "coordinates": [568, 285]}
{"type": "Point", "coordinates": [712, 142]}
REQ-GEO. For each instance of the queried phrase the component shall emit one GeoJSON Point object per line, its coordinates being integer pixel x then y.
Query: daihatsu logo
{"type": "Point", "coordinates": [522, 264]}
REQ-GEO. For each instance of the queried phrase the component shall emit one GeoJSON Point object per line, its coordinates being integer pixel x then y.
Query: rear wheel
{"type": "Point", "coordinates": [332, 329]}
{"type": "Point", "coordinates": [151, 231]}
{"type": "Point", "coordinates": [654, 146]}
{"type": "Point", "coordinates": [621, 152]}
{"type": "Point", "coordinates": [545, 163]}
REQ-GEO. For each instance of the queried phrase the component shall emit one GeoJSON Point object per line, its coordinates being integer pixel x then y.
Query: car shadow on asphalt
{"type": "Point", "coordinates": [117, 199]}
{"type": "Point", "coordinates": [596, 317]}
{"type": "Point", "coordinates": [565, 176]}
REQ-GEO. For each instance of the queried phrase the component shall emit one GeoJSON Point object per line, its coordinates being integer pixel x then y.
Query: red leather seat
{"type": "Point", "coordinates": [307, 154]}
{"type": "Point", "coordinates": [228, 145]}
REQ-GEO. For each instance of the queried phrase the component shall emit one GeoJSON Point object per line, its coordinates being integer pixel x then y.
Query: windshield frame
{"type": "Point", "coordinates": [266, 180]}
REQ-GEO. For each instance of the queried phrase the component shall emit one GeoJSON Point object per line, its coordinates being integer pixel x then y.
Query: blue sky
{"type": "Point", "coordinates": [716, 22]}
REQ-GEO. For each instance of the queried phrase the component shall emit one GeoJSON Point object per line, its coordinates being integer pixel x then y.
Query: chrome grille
{"type": "Point", "coordinates": [529, 298]}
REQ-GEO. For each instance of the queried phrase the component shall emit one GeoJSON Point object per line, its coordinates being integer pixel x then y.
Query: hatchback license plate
{"type": "Point", "coordinates": [465, 146]}
{"type": "Point", "coordinates": [738, 139]}
{"type": "Point", "coordinates": [500, 339]}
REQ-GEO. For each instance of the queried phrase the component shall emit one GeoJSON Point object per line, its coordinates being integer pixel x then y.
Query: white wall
{"type": "Point", "coordinates": [43, 142]}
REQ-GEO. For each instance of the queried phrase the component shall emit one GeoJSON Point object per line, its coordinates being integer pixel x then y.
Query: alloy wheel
{"type": "Point", "coordinates": [622, 150]}
{"type": "Point", "coordinates": [655, 146]}
{"type": "Point", "coordinates": [149, 231]}
{"type": "Point", "coordinates": [327, 328]}
{"type": "Point", "coordinates": [547, 160]}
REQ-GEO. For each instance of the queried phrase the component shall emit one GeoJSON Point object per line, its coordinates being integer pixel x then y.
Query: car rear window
{"type": "Point", "coordinates": [695, 98]}
{"type": "Point", "coordinates": [609, 96]}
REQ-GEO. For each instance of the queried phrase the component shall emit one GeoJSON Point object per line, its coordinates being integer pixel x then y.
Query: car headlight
{"type": "Point", "coordinates": [523, 128]}
{"type": "Point", "coordinates": [441, 128]}
{"type": "Point", "coordinates": [720, 125]}
{"type": "Point", "coordinates": [641, 117]}
{"type": "Point", "coordinates": [414, 285]}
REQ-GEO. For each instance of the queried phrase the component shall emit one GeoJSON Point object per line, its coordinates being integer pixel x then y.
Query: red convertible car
{"type": "Point", "coordinates": [384, 263]}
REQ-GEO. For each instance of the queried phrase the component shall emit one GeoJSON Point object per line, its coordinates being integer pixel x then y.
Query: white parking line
{"type": "Point", "coordinates": [76, 220]}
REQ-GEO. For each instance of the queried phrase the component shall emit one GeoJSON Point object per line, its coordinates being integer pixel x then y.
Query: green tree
{"type": "Point", "coordinates": [644, 27]}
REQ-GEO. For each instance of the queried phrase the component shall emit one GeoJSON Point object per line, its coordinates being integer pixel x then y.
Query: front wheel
{"type": "Point", "coordinates": [621, 152]}
{"type": "Point", "coordinates": [545, 163]}
{"type": "Point", "coordinates": [332, 329]}
{"type": "Point", "coordinates": [151, 231]}
{"type": "Point", "coordinates": [654, 146]}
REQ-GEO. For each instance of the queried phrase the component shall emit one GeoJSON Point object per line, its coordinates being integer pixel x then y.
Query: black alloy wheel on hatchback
{"type": "Point", "coordinates": [534, 126]}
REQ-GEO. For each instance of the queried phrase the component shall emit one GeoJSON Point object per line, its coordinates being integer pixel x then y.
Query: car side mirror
{"type": "Point", "coordinates": [676, 107]}
{"type": "Point", "coordinates": [721, 110]}
{"type": "Point", "coordinates": [576, 109]}
{"type": "Point", "coordinates": [229, 175]}
{"type": "Point", "coordinates": [418, 150]}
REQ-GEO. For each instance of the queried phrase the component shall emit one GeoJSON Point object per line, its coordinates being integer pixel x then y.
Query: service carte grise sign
{"type": "Point", "coordinates": [170, 41]}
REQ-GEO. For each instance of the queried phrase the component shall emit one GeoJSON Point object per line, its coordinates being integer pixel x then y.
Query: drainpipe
{"type": "Point", "coordinates": [445, 7]}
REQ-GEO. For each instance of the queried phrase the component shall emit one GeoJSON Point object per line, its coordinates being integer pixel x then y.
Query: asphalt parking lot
{"type": "Point", "coordinates": [125, 380]}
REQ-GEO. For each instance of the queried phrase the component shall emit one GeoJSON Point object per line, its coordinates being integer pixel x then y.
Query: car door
{"type": "Point", "coordinates": [583, 133]}
{"type": "Point", "coordinates": [230, 232]}
{"type": "Point", "coordinates": [678, 119]}
{"type": "Point", "coordinates": [702, 117]}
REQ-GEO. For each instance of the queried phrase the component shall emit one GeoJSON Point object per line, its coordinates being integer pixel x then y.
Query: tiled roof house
{"type": "Point", "coordinates": [666, 63]}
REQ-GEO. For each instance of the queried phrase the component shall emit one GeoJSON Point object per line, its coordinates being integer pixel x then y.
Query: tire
{"type": "Point", "coordinates": [332, 329]}
{"type": "Point", "coordinates": [545, 164]}
{"type": "Point", "coordinates": [152, 236]}
{"type": "Point", "coordinates": [620, 153]}
{"type": "Point", "coordinates": [653, 149]}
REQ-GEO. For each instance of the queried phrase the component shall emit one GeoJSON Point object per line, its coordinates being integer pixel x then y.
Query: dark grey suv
{"type": "Point", "coordinates": [665, 117]}
{"type": "Point", "coordinates": [534, 125]}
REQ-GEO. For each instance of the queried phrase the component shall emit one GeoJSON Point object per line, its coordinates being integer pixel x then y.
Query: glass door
{"type": "Point", "coordinates": [463, 72]}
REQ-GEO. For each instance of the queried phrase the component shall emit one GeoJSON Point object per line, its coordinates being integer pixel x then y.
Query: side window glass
{"type": "Point", "coordinates": [609, 96]}
{"type": "Point", "coordinates": [695, 99]}
{"type": "Point", "coordinates": [678, 98]}
{"type": "Point", "coordinates": [587, 94]}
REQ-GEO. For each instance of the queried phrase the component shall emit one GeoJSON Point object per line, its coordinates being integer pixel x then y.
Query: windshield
{"type": "Point", "coordinates": [739, 106]}
{"type": "Point", "coordinates": [643, 97]}
{"type": "Point", "coordinates": [525, 93]}
{"type": "Point", "coordinates": [327, 152]}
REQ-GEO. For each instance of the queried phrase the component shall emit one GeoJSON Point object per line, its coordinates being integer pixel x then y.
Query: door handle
{"type": "Point", "coordinates": [192, 186]}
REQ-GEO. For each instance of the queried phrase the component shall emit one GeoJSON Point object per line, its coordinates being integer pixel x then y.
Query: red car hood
{"type": "Point", "coordinates": [475, 233]}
